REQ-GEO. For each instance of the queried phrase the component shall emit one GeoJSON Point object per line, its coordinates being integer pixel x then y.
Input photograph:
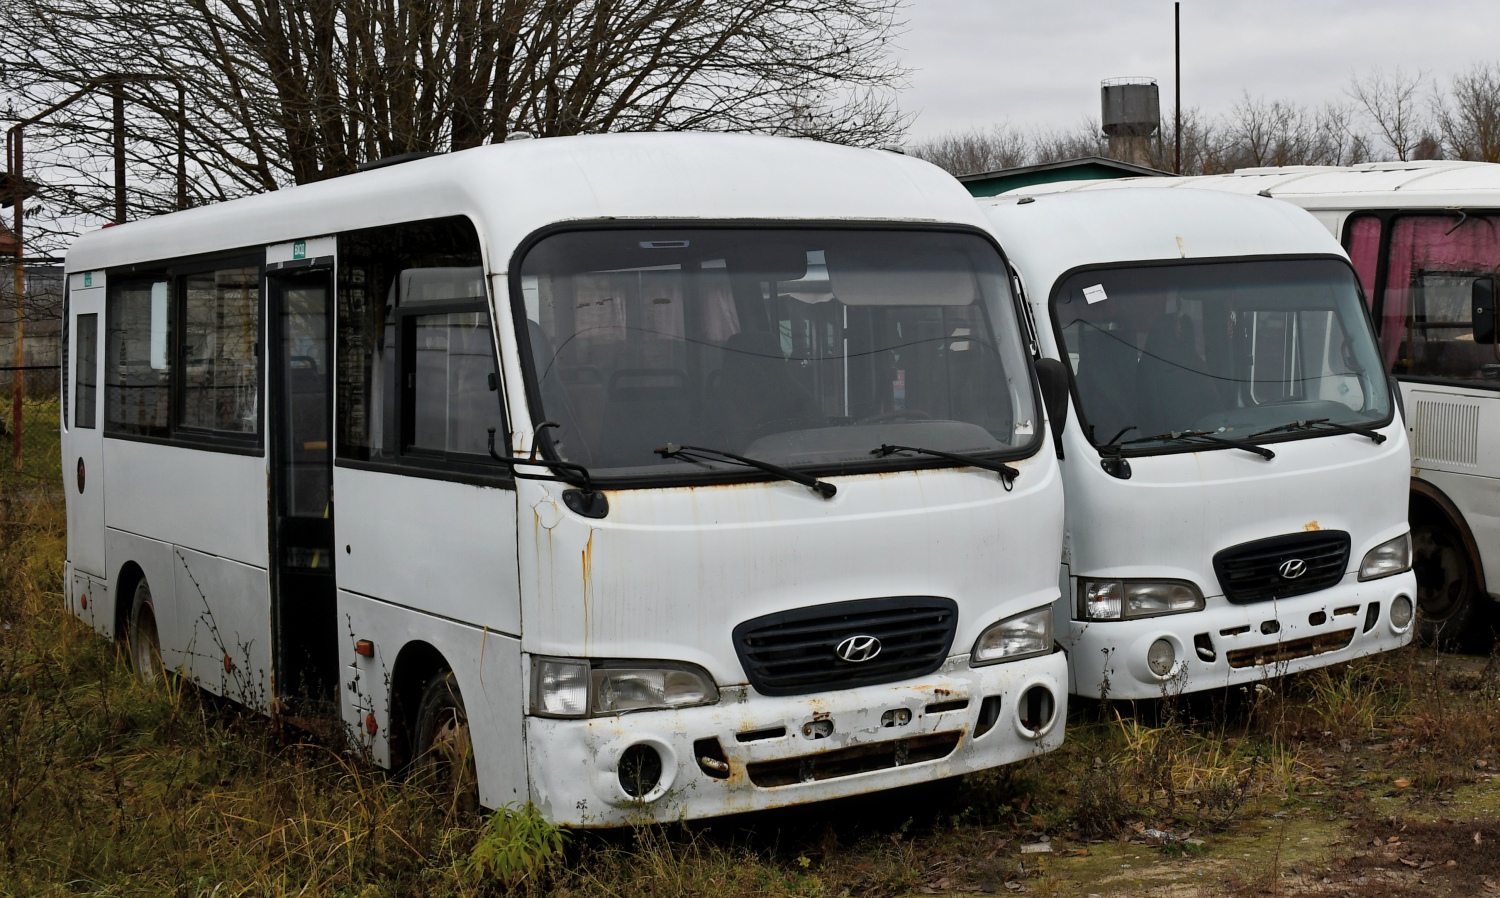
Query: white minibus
{"type": "Point", "coordinates": [639, 477]}
{"type": "Point", "coordinates": [1424, 238]}
{"type": "Point", "coordinates": [1235, 465]}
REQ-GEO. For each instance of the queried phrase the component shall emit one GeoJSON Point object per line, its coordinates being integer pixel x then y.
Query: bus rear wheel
{"type": "Point", "coordinates": [445, 748]}
{"type": "Point", "coordinates": [141, 636]}
{"type": "Point", "coordinates": [1452, 611]}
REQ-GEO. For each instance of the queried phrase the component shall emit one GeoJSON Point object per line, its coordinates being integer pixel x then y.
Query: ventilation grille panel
{"type": "Point", "coordinates": [1446, 432]}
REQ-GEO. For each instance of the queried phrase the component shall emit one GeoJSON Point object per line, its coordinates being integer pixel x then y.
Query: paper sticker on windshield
{"type": "Point", "coordinates": [1094, 294]}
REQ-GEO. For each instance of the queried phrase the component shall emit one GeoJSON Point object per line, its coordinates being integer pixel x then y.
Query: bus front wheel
{"type": "Point", "coordinates": [445, 749]}
{"type": "Point", "coordinates": [1452, 611]}
{"type": "Point", "coordinates": [141, 636]}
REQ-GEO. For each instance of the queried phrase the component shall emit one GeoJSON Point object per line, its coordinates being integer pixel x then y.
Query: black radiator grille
{"type": "Point", "coordinates": [1256, 571]}
{"type": "Point", "coordinates": [794, 652]}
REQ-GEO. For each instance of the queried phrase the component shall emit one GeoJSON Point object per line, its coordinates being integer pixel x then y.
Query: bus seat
{"type": "Point", "coordinates": [756, 389]}
{"type": "Point", "coordinates": [645, 408]}
{"type": "Point", "coordinates": [568, 436]}
{"type": "Point", "coordinates": [1107, 379]}
{"type": "Point", "coordinates": [585, 386]}
{"type": "Point", "coordinates": [1172, 385]}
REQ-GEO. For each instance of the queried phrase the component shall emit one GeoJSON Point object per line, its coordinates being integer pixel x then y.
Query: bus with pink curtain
{"type": "Point", "coordinates": [1424, 238]}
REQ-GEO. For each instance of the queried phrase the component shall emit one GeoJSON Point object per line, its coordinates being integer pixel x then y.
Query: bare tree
{"type": "Point", "coordinates": [1392, 100]}
{"type": "Point", "coordinates": [976, 150]}
{"type": "Point", "coordinates": [1470, 118]}
{"type": "Point", "coordinates": [297, 90]}
{"type": "Point", "coordinates": [1058, 144]}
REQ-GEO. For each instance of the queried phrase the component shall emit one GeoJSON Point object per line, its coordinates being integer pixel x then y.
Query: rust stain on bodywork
{"type": "Point", "coordinates": [587, 559]}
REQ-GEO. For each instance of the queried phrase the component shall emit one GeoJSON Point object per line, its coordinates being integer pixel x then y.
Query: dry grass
{"type": "Point", "coordinates": [110, 788]}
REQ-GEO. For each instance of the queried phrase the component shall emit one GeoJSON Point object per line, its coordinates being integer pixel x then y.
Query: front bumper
{"type": "Point", "coordinates": [829, 745]}
{"type": "Point", "coordinates": [1247, 643]}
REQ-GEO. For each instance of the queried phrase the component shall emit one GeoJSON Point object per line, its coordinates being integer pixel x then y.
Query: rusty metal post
{"type": "Point", "coordinates": [18, 191]}
{"type": "Point", "coordinates": [117, 92]}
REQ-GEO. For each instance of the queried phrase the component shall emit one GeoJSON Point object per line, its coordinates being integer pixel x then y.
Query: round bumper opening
{"type": "Point", "coordinates": [640, 770]}
{"type": "Point", "coordinates": [1036, 711]}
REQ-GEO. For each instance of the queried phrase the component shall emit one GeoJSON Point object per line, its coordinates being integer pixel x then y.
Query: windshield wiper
{"type": "Point", "coordinates": [701, 453]}
{"type": "Point", "coordinates": [1204, 435]}
{"type": "Point", "coordinates": [1006, 472]}
{"type": "Point", "coordinates": [1326, 424]}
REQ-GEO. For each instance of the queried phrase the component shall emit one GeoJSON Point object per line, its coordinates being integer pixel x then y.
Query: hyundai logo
{"type": "Point", "coordinates": [1292, 568]}
{"type": "Point", "coordinates": [859, 648]}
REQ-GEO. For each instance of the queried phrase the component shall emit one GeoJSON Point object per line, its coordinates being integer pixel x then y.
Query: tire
{"type": "Point", "coordinates": [141, 636]}
{"type": "Point", "coordinates": [1453, 614]}
{"type": "Point", "coordinates": [445, 749]}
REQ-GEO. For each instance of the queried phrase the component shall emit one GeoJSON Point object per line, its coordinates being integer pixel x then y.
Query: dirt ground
{"type": "Point", "coordinates": [1382, 815]}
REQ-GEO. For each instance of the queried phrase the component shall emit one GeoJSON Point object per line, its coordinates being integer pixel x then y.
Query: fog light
{"type": "Point", "coordinates": [1161, 657]}
{"type": "Point", "coordinates": [1401, 612]}
{"type": "Point", "coordinates": [640, 770]}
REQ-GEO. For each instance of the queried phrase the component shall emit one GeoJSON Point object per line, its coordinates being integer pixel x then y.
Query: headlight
{"type": "Point", "coordinates": [1015, 637]}
{"type": "Point", "coordinates": [618, 689]}
{"type": "Point", "coordinates": [573, 687]}
{"type": "Point", "coordinates": [562, 687]}
{"type": "Point", "coordinates": [1129, 599]}
{"type": "Point", "coordinates": [1390, 557]}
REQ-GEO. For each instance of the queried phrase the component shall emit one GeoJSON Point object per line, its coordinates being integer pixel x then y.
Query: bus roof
{"type": "Point", "coordinates": [1425, 183]}
{"type": "Point", "coordinates": [1056, 233]}
{"type": "Point", "coordinates": [512, 189]}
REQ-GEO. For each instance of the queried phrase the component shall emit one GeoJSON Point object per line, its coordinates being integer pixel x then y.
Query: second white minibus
{"type": "Point", "coordinates": [638, 477]}
{"type": "Point", "coordinates": [1235, 464]}
{"type": "Point", "coordinates": [1424, 238]}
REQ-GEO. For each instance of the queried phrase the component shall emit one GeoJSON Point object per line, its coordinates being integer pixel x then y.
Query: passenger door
{"type": "Point", "coordinates": [304, 611]}
{"type": "Point", "coordinates": [83, 472]}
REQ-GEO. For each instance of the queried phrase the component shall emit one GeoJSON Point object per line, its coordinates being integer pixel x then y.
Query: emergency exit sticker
{"type": "Point", "coordinates": [1094, 294]}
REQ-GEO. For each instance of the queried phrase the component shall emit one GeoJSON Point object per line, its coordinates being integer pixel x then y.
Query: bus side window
{"type": "Point", "coordinates": [1426, 327]}
{"type": "Point", "coordinates": [137, 370]}
{"type": "Point", "coordinates": [221, 370]}
{"type": "Point", "coordinates": [417, 379]}
{"type": "Point", "coordinates": [87, 373]}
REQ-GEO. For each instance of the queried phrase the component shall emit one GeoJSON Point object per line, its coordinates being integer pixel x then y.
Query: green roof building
{"type": "Point", "coordinates": [1088, 168]}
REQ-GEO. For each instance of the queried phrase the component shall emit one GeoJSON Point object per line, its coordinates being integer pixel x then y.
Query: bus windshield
{"type": "Point", "coordinates": [1230, 348]}
{"type": "Point", "coordinates": [797, 347]}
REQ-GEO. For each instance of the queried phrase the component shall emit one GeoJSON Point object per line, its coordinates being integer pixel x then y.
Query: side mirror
{"type": "Point", "coordinates": [1482, 300]}
{"type": "Point", "coordinates": [1053, 376]}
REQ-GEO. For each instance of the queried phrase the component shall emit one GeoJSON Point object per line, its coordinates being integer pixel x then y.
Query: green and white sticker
{"type": "Point", "coordinates": [299, 249]}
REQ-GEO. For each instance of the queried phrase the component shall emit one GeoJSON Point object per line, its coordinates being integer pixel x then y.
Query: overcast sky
{"type": "Point", "coordinates": [1039, 64]}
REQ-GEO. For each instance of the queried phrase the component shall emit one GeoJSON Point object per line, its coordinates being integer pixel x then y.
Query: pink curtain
{"type": "Point", "coordinates": [1423, 243]}
{"type": "Point", "coordinates": [1364, 252]}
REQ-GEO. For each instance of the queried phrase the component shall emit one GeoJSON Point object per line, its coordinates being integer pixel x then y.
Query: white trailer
{"type": "Point", "coordinates": [1235, 469]}
{"type": "Point", "coordinates": [641, 477]}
